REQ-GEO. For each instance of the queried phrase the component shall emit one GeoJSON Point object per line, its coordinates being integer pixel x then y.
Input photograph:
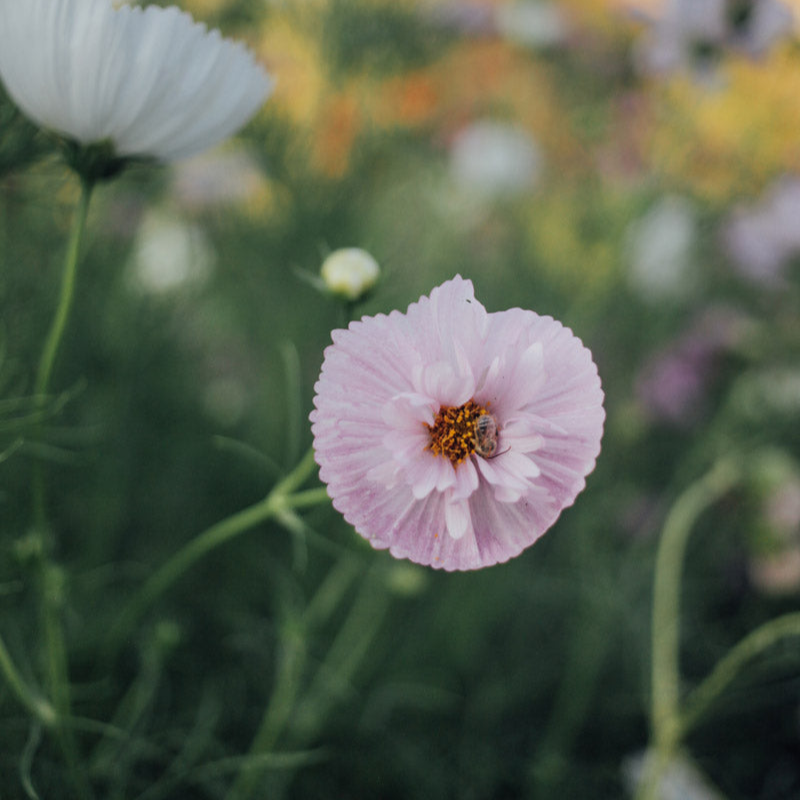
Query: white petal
{"type": "Point", "coordinates": [457, 518]}
{"type": "Point", "coordinates": [153, 81]}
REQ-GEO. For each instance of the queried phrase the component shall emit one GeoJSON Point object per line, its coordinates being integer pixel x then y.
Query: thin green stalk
{"type": "Point", "coordinates": [335, 673]}
{"type": "Point", "coordinates": [48, 575]}
{"type": "Point", "coordinates": [38, 707]}
{"type": "Point", "coordinates": [280, 498]}
{"type": "Point", "coordinates": [587, 653]}
{"type": "Point", "coordinates": [332, 678]}
{"type": "Point", "coordinates": [726, 670]}
{"type": "Point", "coordinates": [283, 698]}
{"type": "Point", "coordinates": [69, 275]}
{"type": "Point", "coordinates": [279, 709]}
{"type": "Point", "coordinates": [56, 334]}
{"type": "Point", "coordinates": [665, 666]}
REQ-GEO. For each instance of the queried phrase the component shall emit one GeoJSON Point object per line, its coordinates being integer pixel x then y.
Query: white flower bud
{"type": "Point", "coordinates": [349, 272]}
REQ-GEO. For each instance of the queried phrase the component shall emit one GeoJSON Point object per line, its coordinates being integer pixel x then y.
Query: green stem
{"type": "Point", "coordinates": [756, 642]}
{"type": "Point", "coordinates": [49, 576]}
{"type": "Point", "coordinates": [334, 674]}
{"type": "Point", "coordinates": [277, 713]}
{"type": "Point", "coordinates": [59, 323]}
{"type": "Point", "coordinates": [37, 706]}
{"type": "Point", "coordinates": [279, 499]}
{"type": "Point", "coordinates": [588, 650]}
{"type": "Point", "coordinates": [665, 666]}
{"type": "Point", "coordinates": [283, 698]}
{"type": "Point", "coordinates": [55, 335]}
{"type": "Point", "coordinates": [331, 681]}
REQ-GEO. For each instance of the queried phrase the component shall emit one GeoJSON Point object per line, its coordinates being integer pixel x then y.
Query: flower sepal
{"type": "Point", "coordinates": [97, 161]}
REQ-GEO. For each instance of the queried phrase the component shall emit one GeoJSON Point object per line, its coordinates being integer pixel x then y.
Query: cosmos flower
{"type": "Point", "coordinates": [149, 83]}
{"type": "Point", "coordinates": [454, 437]}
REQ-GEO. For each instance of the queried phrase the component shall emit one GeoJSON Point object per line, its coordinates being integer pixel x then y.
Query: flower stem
{"type": "Point", "coordinates": [56, 334]}
{"type": "Point", "coordinates": [69, 275]}
{"type": "Point", "coordinates": [756, 642]}
{"type": "Point", "coordinates": [291, 665]}
{"type": "Point", "coordinates": [283, 496]}
{"type": "Point", "coordinates": [38, 707]}
{"type": "Point", "coordinates": [665, 667]}
{"type": "Point", "coordinates": [49, 577]}
{"type": "Point", "coordinates": [307, 711]}
{"type": "Point", "coordinates": [283, 699]}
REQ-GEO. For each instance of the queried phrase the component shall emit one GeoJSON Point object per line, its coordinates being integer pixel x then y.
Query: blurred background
{"type": "Point", "coordinates": [630, 169]}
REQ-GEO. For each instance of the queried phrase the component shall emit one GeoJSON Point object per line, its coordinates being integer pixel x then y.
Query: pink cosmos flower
{"type": "Point", "coordinates": [452, 436]}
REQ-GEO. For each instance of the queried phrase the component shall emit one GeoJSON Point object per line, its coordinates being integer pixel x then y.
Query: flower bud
{"type": "Point", "coordinates": [349, 273]}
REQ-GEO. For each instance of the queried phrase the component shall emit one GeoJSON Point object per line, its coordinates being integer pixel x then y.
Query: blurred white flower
{"type": "Point", "coordinates": [682, 780]}
{"type": "Point", "coordinates": [533, 24]}
{"type": "Point", "coordinates": [763, 394]}
{"type": "Point", "coordinates": [349, 272]}
{"type": "Point", "coordinates": [762, 238]}
{"type": "Point", "coordinates": [217, 178]}
{"type": "Point", "coordinates": [169, 255]}
{"type": "Point", "coordinates": [495, 159]}
{"type": "Point", "coordinates": [773, 565]}
{"type": "Point", "coordinates": [660, 246]}
{"type": "Point", "coordinates": [148, 82]}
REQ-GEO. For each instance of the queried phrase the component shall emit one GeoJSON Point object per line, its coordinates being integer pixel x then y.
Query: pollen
{"type": "Point", "coordinates": [453, 431]}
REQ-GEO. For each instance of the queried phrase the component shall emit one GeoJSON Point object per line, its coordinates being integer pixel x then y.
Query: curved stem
{"type": "Point", "coordinates": [665, 666]}
{"type": "Point", "coordinates": [38, 707]}
{"type": "Point", "coordinates": [279, 499]}
{"type": "Point", "coordinates": [756, 642]}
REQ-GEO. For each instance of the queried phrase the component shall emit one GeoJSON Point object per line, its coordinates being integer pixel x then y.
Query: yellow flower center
{"type": "Point", "coordinates": [453, 431]}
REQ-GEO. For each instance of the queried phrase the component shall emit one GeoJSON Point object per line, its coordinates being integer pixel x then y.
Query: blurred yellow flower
{"type": "Point", "coordinates": [472, 78]}
{"type": "Point", "coordinates": [732, 139]}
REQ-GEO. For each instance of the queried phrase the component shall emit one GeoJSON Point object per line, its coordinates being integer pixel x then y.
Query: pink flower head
{"type": "Point", "coordinates": [402, 439]}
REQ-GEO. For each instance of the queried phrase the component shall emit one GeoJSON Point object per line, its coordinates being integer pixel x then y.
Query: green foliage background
{"type": "Point", "coordinates": [529, 679]}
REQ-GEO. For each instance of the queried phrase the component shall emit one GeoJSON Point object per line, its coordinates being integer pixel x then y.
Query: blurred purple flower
{"type": "Point", "coordinates": [761, 238]}
{"type": "Point", "coordinates": [673, 386]}
{"type": "Point", "coordinates": [466, 18]}
{"type": "Point", "coordinates": [691, 34]}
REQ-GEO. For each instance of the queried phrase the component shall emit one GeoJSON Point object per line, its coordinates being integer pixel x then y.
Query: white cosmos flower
{"type": "Point", "coordinates": [151, 82]}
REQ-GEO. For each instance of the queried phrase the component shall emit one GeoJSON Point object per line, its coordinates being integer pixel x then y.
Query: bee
{"type": "Point", "coordinates": [485, 439]}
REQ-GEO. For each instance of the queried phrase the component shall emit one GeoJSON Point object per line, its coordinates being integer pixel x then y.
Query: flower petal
{"type": "Point", "coordinates": [153, 81]}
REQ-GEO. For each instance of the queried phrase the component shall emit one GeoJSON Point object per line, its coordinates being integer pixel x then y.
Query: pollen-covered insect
{"type": "Point", "coordinates": [485, 440]}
